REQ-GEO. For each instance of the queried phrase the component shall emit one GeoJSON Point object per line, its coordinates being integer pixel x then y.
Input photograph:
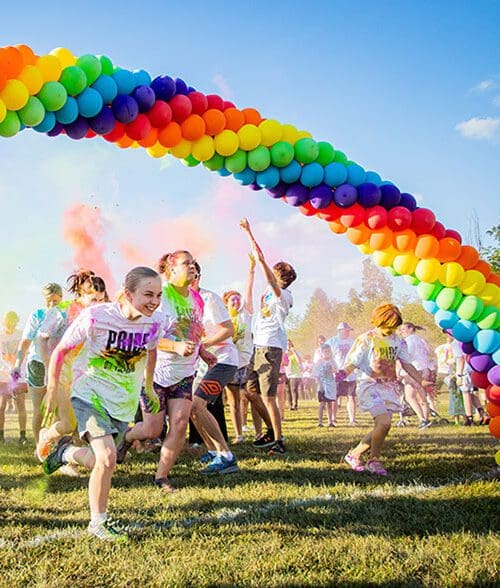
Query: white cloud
{"type": "Point", "coordinates": [484, 86]}
{"type": "Point", "coordinates": [487, 128]}
{"type": "Point", "coordinates": [496, 101]}
{"type": "Point", "coordinates": [220, 81]}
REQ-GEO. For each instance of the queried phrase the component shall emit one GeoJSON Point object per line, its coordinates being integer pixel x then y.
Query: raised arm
{"type": "Point", "coordinates": [226, 330]}
{"type": "Point", "coordinates": [249, 285]}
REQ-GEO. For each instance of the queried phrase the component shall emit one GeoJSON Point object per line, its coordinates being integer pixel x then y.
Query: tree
{"type": "Point", "coordinates": [375, 284]}
{"type": "Point", "coordinates": [492, 253]}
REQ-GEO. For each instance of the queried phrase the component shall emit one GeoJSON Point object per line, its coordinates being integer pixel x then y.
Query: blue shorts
{"type": "Point", "coordinates": [214, 382]}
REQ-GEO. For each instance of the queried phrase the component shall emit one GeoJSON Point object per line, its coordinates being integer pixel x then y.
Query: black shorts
{"type": "Point", "coordinates": [346, 388]}
{"type": "Point", "coordinates": [214, 381]}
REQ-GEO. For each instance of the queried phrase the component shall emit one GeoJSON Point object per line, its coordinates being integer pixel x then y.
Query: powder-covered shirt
{"type": "Point", "coordinates": [340, 348]}
{"type": "Point", "coordinates": [445, 359]}
{"type": "Point", "coordinates": [51, 319]}
{"type": "Point", "coordinates": [324, 371]}
{"type": "Point", "coordinates": [270, 324]}
{"type": "Point", "coordinates": [183, 320]}
{"type": "Point", "coordinates": [8, 348]}
{"type": "Point", "coordinates": [294, 368]}
{"type": "Point", "coordinates": [115, 349]}
{"type": "Point", "coordinates": [215, 313]}
{"type": "Point", "coordinates": [418, 351]}
{"type": "Point", "coordinates": [242, 338]}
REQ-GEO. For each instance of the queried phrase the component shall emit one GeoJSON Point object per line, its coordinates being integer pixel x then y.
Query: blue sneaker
{"type": "Point", "coordinates": [206, 458]}
{"type": "Point", "coordinates": [221, 465]}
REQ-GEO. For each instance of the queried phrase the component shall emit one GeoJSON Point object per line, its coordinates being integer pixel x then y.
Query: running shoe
{"type": "Point", "coordinates": [54, 461]}
{"type": "Point", "coordinates": [424, 424]}
{"type": "Point", "coordinates": [245, 429]}
{"type": "Point", "coordinates": [165, 485]}
{"type": "Point", "coordinates": [206, 458]}
{"type": "Point", "coordinates": [123, 447]}
{"type": "Point", "coordinates": [320, 424]}
{"type": "Point", "coordinates": [332, 424]}
{"type": "Point", "coordinates": [23, 441]}
{"type": "Point", "coordinates": [265, 440]}
{"type": "Point", "coordinates": [354, 462]}
{"type": "Point", "coordinates": [43, 445]}
{"type": "Point", "coordinates": [238, 439]}
{"type": "Point", "coordinates": [221, 465]}
{"type": "Point", "coordinates": [107, 531]}
{"type": "Point", "coordinates": [374, 466]}
{"type": "Point", "coordinates": [71, 470]}
{"type": "Point", "coordinates": [277, 448]}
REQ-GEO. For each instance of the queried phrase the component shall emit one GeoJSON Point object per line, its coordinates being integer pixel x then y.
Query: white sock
{"type": "Point", "coordinates": [67, 455]}
{"type": "Point", "coordinates": [212, 452]}
{"type": "Point", "coordinates": [227, 454]}
{"type": "Point", "coordinates": [97, 518]}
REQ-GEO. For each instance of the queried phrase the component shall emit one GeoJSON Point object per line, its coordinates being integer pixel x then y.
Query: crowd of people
{"type": "Point", "coordinates": [107, 376]}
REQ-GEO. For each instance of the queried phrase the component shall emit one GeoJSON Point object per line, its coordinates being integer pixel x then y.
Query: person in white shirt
{"type": "Point", "coordinates": [270, 340]}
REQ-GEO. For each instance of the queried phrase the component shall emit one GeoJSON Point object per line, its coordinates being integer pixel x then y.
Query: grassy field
{"type": "Point", "coordinates": [302, 520]}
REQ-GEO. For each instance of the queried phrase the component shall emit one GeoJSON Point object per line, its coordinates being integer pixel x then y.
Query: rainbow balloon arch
{"type": "Point", "coordinates": [89, 96]}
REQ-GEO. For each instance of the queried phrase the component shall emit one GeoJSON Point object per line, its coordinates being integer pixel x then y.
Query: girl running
{"type": "Point", "coordinates": [120, 341]}
{"type": "Point", "coordinates": [324, 370]}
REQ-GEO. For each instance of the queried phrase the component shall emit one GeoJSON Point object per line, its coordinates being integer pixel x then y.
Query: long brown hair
{"type": "Point", "coordinates": [85, 282]}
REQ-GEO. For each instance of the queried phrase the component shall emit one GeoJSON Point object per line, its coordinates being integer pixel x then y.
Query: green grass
{"type": "Point", "coordinates": [305, 519]}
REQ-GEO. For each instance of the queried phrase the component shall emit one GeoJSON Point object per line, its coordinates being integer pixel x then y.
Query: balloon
{"type": "Point", "coordinates": [249, 137]}
{"type": "Point", "coordinates": [426, 247]}
{"type": "Point", "coordinates": [383, 257]}
{"type": "Point", "coordinates": [404, 263]}
{"type": "Point", "coordinates": [180, 86]}
{"type": "Point", "coordinates": [449, 249]}
{"type": "Point", "coordinates": [480, 380]}
{"type": "Point", "coordinates": [247, 177]}
{"type": "Point", "coordinates": [53, 96]}
{"type": "Point", "coordinates": [345, 195]}
{"type": "Point", "coordinates": [490, 294]}
{"type": "Point", "coordinates": [449, 298]}
{"type": "Point", "coordinates": [380, 239]}
{"type": "Point", "coordinates": [215, 102]}
{"type": "Point", "coordinates": [104, 122]}
{"type": "Point", "coordinates": [364, 248]}
{"type": "Point", "coordinates": [493, 410]}
{"type": "Point", "coordinates": [89, 103]}
{"type": "Point", "coordinates": [204, 148]}
{"type": "Point", "coordinates": [438, 231]}
{"type": "Point", "coordinates": [332, 212]}
{"type": "Point", "coordinates": [483, 267]}
{"type": "Point", "coordinates": [352, 216]}
{"type": "Point", "coordinates": [321, 196]}
{"type": "Point", "coordinates": [290, 134]}
{"type": "Point", "coordinates": [47, 124]}
{"type": "Point", "coordinates": [183, 150]}
{"type": "Point", "coordinates": [77, 129]}
{"type": "Point", "coordinates": [282, 153]}
{"type": "Point", "coordinates": [215, 163]}
{"type": "Point", "coordinates": [355, 175]}
{"type": "Point", "coordinates": [164, 88]}
{"type": "Point", "coordinates": [64, 56]}
{"type": "Point", "coordinates": [375, 217]}
{"type": "Point", "coordinates": [326, 153]}
{"type": "Point", "coordinates": [297, 195]}
{"type": "Point", "coordinates": [269, 178]}
{"type": "Point", "coordinates": [452, 274]}
{"type": "Point", "coordinates": [28, 56]}
{"type": "Point", "coordinates": [214, 121]}
{"type": "Point", "coordinates": [236, 162]}
{"type": "Point", "coordinates": [493, 394]}
{"type": "Point", "coordinates": [259, 158]}
{"type": "Point", "coordinates": [181, 108]}
{"type": "Point", "coordinates": [468, 257]}
{"type": "Point", "coordinates": [487, 341]}
{"type": "Point", "coordinates": [32, 113]}
{"type": "Point", "coordinates": [373, 178]}
{"type": "Point", "coordinates": [489, 319]}
{"type": "Point", "coordinates": [193, 127]}
{"type": "Point", "coordinates": [139, 128]}
{"type": "Point", "coordinates": [312, 175]}
{"type": "Point", "coordinates": [306, 150]}
{"type": "Point", "coordinates": [423, 220]}
{"type": "Point", "coordinates": [472, 283]}
{"type": "Point", "coordinates": [470, 308]}
{"type": "Point", "coordinates": [125, 109]}
{"type": "Point", "coordinates": [170, 135]}
{"type": "Point", "coordinates": [11, 125]}
{"type": "Point", "coordinates": [145, 98]}
{"type": "Point", "coordinates": [234, 119]}
{"type": "Point", "coordinates": [271, 132]}
{"type": "Point", "coordinates": [50, 68]}
{"type": "Point", "coordinates": [73, 78]}
{"type": "Point", "coordinates": [360, 234]}
{"type": "Point", "coordinates": [467, 347]}
{"type": "Point", "coordinates": [340, 157]}
{"type": "Point", "coordinates": [199, 102]}
{"type": "Point", "coordinates": [445, 319]}
{"type": "Point", "coordinates": [453, 235]}
{"type": "Point", "coordinates": [391, 196]}
{"type": "Point", "coordinates": [32, 78]}
{"type": "Point", "coordinates": [106, 87]}
{"type": "Point", "coordinates": [276, 192]}
{"type": "Point", "coordinates": [93, 68]}
{"type": "Point", "coordinates": [141, 78]}
{"type": "Point", "coordinates": [404, 240]}
{"type": "Point", "coordinates": [291, 172]}
{"type": "Point", "coordinates": [335, 174]}
{"type": "Point", "coordinates": [408, 201]}
{"type": "Point", "coordinates": [493, 372]}
{"type": "Point", "coordinates": [368, 194]}
{"type": "Point", "coordinates": [427, 291]}
{"type": "Point", "coordinates": [480, 362]}
{"type": "Point", "coordinates": [465, 331]}
{"type": "Point", "coordinates": [432, 308]}
{"type": "Point", "coordinates": [15, 95]}
{"type": "Point", "coordinates": [160, 115]}
{"type": "Point", "coordinates": [428, 270]}
{"type": "Point", "coordinates": [338, 228]}
{"type": "Point", "coordinates": [69, 112]}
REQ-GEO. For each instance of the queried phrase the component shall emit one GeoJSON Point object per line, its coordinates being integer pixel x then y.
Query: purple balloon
{"type": "Point", "coordinates": [368, 194]}
{"type": "Point", "coordinates": [408, 201]}
{"type": "Point", "coordinates": [57, 129]}
{"type": "Point", "coordinates": [278, 191]}
{"type": "Point", "coordinates": [255, 187]}
{"type": "Point", "coordinates": [345, 195]}
{"type": "Point", "coordinates": [104, 122]}
{"type": "Point", "coordinates": [145, 98]}
{"type": "Point", "coordinates": [180, 86]}
{"type": "Point", "coordinates": [78, 129]}
{"type": "Point", "coordinates": [494, 375]}
{"type": "Point", "coordinates": [164, 87]}
{"type": "Point", "coordinates": [191, 89]}
{"type": "Point", "coordinates": [468, 348]}
{"type": "Point", "coordinates": [125, 109]}
{"type": "Point", "coordinates": [391, 196]}
{"type": "Point", "coordinates": [481, 362]}
{"type": "Point", "coordinates": [321, 196]}
{"type": "Point", "coordinates": [297, 195]}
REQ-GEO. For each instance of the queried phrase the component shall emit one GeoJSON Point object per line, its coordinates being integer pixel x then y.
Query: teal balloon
{"type": "Point", "coordinates": [47, 124]}
{"type": "Point", "coordinates": [11, 125]}
{"type": "Point", "coordinates": [107, 67]}
{"type": "Point", "coordinates": [259, 158]}
{"type": "Point", "coordinates": [326, 153]}
{"type": "Point", "coordinates": [91, 66]}
{"type": "Point", "coordinates": [73, 78]}
{"type": "Point", "coordinates": [90, 103]}
{"type": "Point", "coordinates": [215, 163]}
{"type": "Point", "coordinates": [32, 113]}
{"type": "Point", "coordinates": [306, 150]}
{"type": "Point", "coordinates": [53, 96]}
{"type": "Point", "coordinates": [335, 174]}
{"type": "Point", "coordinates": [269, 178]}
{"type": "Point", "coordinates": [282, 153]}
{"type": "Point", "coordinates": [355, 174]}
{"type": "Point", "coordinates": [124, 80]}
{"type": "Point", "coordinates": [464, 331]}
{"type": "Point", "coordinates": [237, 162]}
{"type": "Point", "coordinates": [291, 173]}
{"type": "Point", "coordinates": [340, 157]}
{"type": "Point", "coordinates": [373, 178]}
{"type": "Point", "coordinates": [487, 341]}
{"type": "Point", "coordinates": [107, 88]}
{"type": "Point", "coordinates": [246, 177]}
{"type": "Point", "coordinates": [445, 319]}
{"type": "Point", "coordinates": [312, 175]}
{"type": "Point", "coordinates": [69, 112]}
{"type": "Point", "coordinates": [141, 77]}
{"type": "Point", "coordinates": [430, 306]}
{"type": "Point", "coordinates": [449, 298]}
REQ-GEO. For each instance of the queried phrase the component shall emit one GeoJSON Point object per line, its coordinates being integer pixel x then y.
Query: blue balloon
{"type": "Point", "coordinates": [312, 175]}
{"type": "Point", "coordinates": [104, 122]}
{"type": "Point", "coordinates": [141, 78]}
{"type": "Point", "coordinates": [335, 174]}
{"type": "Point", "coordinates": [355, 174]}
{"type": "Point", "coordinates": [69, 112]}
{"type": "Point", "coordinates": [487, 341]}
{"type": "Point", "coordinates": [107, 88]}
{"type": "Point", "coordinates": [369, 194]}
{"type": "Point", "coordinates": [246, 177]}
{"type": "Point", "coordinates": [278, 191]}
{"type": "Point", "coordinates": [124, 80]}
{"type": "Point", "coordinates": [145, 98]}
{"type": "Point", "coordinates": [496, 357]}
{"type": "Point", "coordinates": [47, 124]}
{"type": "Point", "coordinates": [445, 319]}
{"type": "Point", "coordinates": [430, 306]}
{"type": "Point", "coordinates": [269, 178]}
{"type": "Point", "coordinates": [291, 172]}
{"type": "Point", "coordinates": [125, 109]}
{"type": "Point", "coordinates": [465, 331]}
{"type": "Point", "coordinates": [391, 196]}
{"type": "Point", "coordinates": [373, 177]}
{"type": "Point", "coordinates": [89, 103]}
{"type": "Point", "coordinates": [345, 195]}
{"type": "Point", "coordinates": [297, 195]}
{"type": "Point", "coordinates": [223, 172]}
{"type": "Point", "coordinates": [164, 87]}
{"type": "Point", "coordinates": [77, 129]}
{"type": "Point", "coordinates": [321, 196]}
{"type": "Point", "coordinates": [180, 86]}
{"type": "Point", "coordinates": [408, 201]}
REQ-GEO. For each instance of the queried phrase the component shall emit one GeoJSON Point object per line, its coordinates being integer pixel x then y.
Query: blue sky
{"type": "Point", "coordinates": [408, 89]}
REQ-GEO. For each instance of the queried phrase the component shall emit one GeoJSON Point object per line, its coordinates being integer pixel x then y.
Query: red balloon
{"type": "Point", "coordinates": [352, 215]}
{"type": "Point", "coordinates": [181, 107]}
{"type": "Point", "coordinates": [160, 115]}
{"type": "Point", "coordinates": [438, 231]}
{"type": "Point", "coordinates": [423, 220]}
{"type": "Point", "coordinates": [494, 279]}
{"type": "Point", "coordinates": [228, 104]}
{"type": "Point", "coordinates": [454, 235]}
{"type": "Point", "coordinates": [493, 394]}
{"type": "Point", "coordinates": [376, 217]}
{"type": "Point", "coordinates": [90, 134]}
{"type": "Point", "coordinates": [199, 102]}
{"type": "Point", "coordinates": [215, 101]}
{"type": "Point", "coordinates": [331, 213]}
{"type": "Point", "coordinates": [307, 209]}
{"type": "Point", "coordinates": [480, 380]}
{"type": "Point", "coordinates": [116, 134]}
{"type": "Point", "coordinates": [399, 218]}
{"type": "Point", "coordinates": [139, 128]}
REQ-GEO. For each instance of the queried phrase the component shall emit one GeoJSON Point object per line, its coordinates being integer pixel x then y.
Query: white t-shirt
{"type": "Point", "coordinates": [324, 371]}
{"type": "Point", "coordinates": [340, 349]}
{"type": "Point", "coordinates": [418, 351]}
{"type": "Point", "coordinates": [52, 319]}
{"type": "Point", "coordinates": [183, 320]}
{"type": "Point", "coordinates": [8, 348]}
{"type": "Point", "coordinates": [214, 314]}
{"type": "Point", "coordinates": [242, 338]}
{"type": "Point", "coordinates": [270, 324]}
{"type": "Point", "coordinates": [458, 353]}
{"type": "Point", "coordinates": [115, 351]}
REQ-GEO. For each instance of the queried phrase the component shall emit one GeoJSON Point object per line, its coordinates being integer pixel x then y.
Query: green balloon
{"type": "Point", "coordinates": [214, 163]}
{"type": "Point", "coordinates": [470, 308]}
{"type": "Point", "coordinates": [53, 96]}
{"type": "Point", "coordinates": [306, 150]}
{"type": "Point", "coordinates": [11, 125]}
{"type": "Point", "coordinates": [340, 157]}
{"type": "Point", "coordinates": [490, 318]}
{"type": "Point", "coordinates": [190, 161]}
{"type": "Point", "coordinates": [32, 113]}
{"type": "Point", "coordinates": [427, 290]}
{"type": "Point", "coordinates": [326, 153]}
{"type": "Point", "coordinates": [259, 158]}
{"type": "Point", "coordinates": [91, 66]}
{"type": "Point", "coordinates": [106, 65]}
{"type": "Point", "coordinates": [449, 298]}
{"type": "Point", "coordinates": [392, 271]}
{"type": "Point", "coordinates": [73, 78]}
{"type": "Point", "coordinates": [412, 280]}
{"type": "Point", "coordinates": [282, 153]}
{"type": "Point", "coordinates": [237, 162]}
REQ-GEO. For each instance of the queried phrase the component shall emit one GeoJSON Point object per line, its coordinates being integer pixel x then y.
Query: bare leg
{"type": "Point", "coordinates": [207, 425]}
{"type": "Point", "coordinates": [351, 408]}
{"type": "Point", "coordinates": [233, 397]}
{"type": "Point", "coordinates": [274, 414]}
{"type": "Point", "coordinates": [178, 417]}
{"type": "Point", "coordinates": [334, 407]}
{"type": "Point", "coordinates": [37, 395]}
{"type": "Point", "coordinates": [20, 401]}
{"type": "Point", "coordinates": [244, 410]}
{"type": "Point", "coordinates": [411, 398]}
{"type": "Point", "coordinates": [329, 412]}
{"type": "Point", "coordinates": [320, 412]}
{"type": "Point", "coordinates": [100, 478]}
{"type": "Point", "coordinates": [375, 438]}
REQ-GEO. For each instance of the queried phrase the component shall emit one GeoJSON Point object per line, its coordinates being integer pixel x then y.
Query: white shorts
{"type": "Point", "coordinates": [379, 398]}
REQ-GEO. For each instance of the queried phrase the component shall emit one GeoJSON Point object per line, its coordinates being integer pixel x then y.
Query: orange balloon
{"type": "Point", "coordinates": [493, 409]}
{"type": "Point", "coordinates": [427, 247]}
{"type": "Point", "coordinates": [381, 239]}
{"type": "Point", "coordinates": [252, 116]}
{"type": "Point", "coordinates": [494, 279]}
{"type": "Point", "coordinates": [405, 240]}
{"type": "Point", "coordinates": [337, 227]}
{"type": "Point", "coordinates": [449, 249]}
{"type": "Point", "coordinates": [215, 121]}
{"type": "Point", "coordinates": [193, 128]}
{"type": "Point", "coordinates": [171, 135]}
{"type": "Point", "coordinates": [150, 139]}
{"type": "Point", "coordinates": [358, 235]}
{"type": "Point", "coordinates": [495, 427]}
{"type": "Point", "coordinates": [483, 267]}
{"type": "Point", "coordinates": [234, 119]}
{"type": "Point", "coordinates": [11, 62]}
{"type": "Point", "coordinates": [29, 57]}
{"type": "Point", "coordinates": [125, 142]}
{"type": "Point", "coordinates": [469, 257]}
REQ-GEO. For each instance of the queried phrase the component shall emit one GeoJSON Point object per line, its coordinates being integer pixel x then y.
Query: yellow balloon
{"type": "Point", "coordinates": [428, 270]}
{"type": "Point", "coordinates": [304, 135]}
{"type": "Point", "coordinates": [32, 78]}
{"type": "Point", "coordinates": [50, 67]}
{"type": "Point", "coordinates": [365, 248]}
{"type": "Point", "coordinates": [290, 134]}
{"type": "Point", "coordinates": [385, 257]}
{"type": "Point", "coordinates": [3, 110]}
{"type": "Point", "coordinates": [472, 283]}
{"type": "Point", "coordinates": [226, 143]}
{"type": "Point", "coordinates": [66, 58]}
{"type": "Point", "coordinates": [14, 95]}
{"type": "Point", "coordinates": [182, 149]}
{"type": "Point", "coordinates": [157, 150]}
{"type": "Point", "coordinates": [497, 457]}
{"type": "Point", "coordinates": [272, 132]}
{"type": "Point", "coordinates": [204, 148]}
{"type": "Point", "coordinates": [452, 273]}
{"type": "Point", "coordinates": [249, 137]}
{"type": "Point", "coordinates": [490, 295]}
{"type": "Point", "coordinates": [405, 263]}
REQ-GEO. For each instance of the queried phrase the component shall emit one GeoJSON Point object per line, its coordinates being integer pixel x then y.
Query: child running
{"type": "Point", "coordinates": [120, 341]}
{"type": "Point", "coordinates": [324, 371]}
{"type": "Point", "coordinates": [375, 354]}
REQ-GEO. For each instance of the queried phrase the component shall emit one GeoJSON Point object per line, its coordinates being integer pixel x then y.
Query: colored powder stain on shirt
{"type": "Point", "coordinates": [188, 325]}
{"type": "Point", "coordinates": [97, 404]}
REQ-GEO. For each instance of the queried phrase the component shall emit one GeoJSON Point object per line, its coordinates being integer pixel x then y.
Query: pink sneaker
{"type": "Point", "coordinates": [374, 466]}
{"type": "Point", "coordinates": [354, 462]}
{"type": "Point", "coordinates": [43, 446]}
